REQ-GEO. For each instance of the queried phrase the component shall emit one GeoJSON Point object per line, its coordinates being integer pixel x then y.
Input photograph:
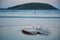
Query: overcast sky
{"type": "Point", "coordinates": [8, 3]}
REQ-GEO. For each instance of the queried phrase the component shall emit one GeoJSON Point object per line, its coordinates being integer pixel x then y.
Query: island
{"type": "Point", "coordinates": [33, 6]}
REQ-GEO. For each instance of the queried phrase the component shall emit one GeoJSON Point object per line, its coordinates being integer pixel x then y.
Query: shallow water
{"type": "Point", "coordinates": [10, 28]}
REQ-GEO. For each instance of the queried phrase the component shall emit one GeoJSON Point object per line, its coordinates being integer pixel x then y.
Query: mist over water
{"type": "Point", "coordinates": [13, 21]}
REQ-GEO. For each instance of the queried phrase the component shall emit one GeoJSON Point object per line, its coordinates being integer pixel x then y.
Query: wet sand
{"type": "Point", "coordinates": [10, 29]}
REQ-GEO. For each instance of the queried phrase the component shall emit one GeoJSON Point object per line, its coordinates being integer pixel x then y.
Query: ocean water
{"type": "Point", "coordinates": [13, 21]}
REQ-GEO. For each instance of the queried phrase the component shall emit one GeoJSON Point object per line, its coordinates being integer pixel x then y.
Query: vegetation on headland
{"type": "Point", "coordinates": [32, 6]}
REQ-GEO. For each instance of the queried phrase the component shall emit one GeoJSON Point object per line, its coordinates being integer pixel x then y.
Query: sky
{"type": "Point", "coordinates": [9, 3]}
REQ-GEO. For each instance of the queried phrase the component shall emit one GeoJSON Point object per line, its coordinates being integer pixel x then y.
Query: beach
{"type": "Point", "coordinates": [10, 28]}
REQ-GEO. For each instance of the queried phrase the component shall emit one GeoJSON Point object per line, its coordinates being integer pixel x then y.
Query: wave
{"type": "Point", "coordinates": [25, 17]}
{"type": "Point", "coordinates": [30, 14]}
